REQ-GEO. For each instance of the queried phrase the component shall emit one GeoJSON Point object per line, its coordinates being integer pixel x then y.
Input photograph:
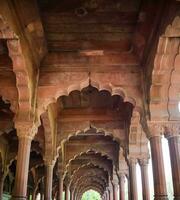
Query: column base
{"type": "Point", "coordinates": [161, 197]}
{"type": "Point", "coordinates": [18, 198]}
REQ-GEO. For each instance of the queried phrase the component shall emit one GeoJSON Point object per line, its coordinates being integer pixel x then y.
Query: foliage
{"type": "Point", "coordinates": [91, 195]}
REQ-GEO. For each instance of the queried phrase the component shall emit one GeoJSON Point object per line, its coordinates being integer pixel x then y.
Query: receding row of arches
{"type": "Point", "coordinates": [75, 131]}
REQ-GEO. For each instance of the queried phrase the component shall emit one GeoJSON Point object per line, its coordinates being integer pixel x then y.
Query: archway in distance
{"type": "Point", "coordinates": [91, 195]}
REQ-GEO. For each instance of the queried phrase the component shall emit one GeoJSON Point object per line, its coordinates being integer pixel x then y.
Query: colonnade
{"type": "Point", "coordinates": [111, 193]}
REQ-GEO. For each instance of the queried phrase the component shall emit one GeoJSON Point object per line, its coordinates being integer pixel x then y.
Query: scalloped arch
{"type": "Point", "coordinates": [84, 166]}
{"type": "Point", "coordinates": [165, 73]}
{"type": "Point", "coordinates": [113, 90]}
{"type": "Point", "coordinates": [86, 153]}
{"type": "Point", "coordinates": [98, 130]}
{"type": "Point", "coordinates": [91, 149]}
{"type": "Point", "coordinates": [80, 180]}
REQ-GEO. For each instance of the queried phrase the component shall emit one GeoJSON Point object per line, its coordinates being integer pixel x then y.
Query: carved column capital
{"type": "Point", "coordinates": [155, 129]}
{"type": "Point", "coordinates": [143, 161]}
{"type": "Point", "coordinates": [49, 162]}
{"type": "Point", "coordinates": [26, 130]}
{"type": "Point", "coordinates": [110, 188]}
{"type": "Point", "coordinates": [122, 174]}
{"type": "Point", "coordinates": [168, 128]}
{"type": "Point", "coordinates": [132, 160]}
{"type": "Point", "coordinates": [172, 129]}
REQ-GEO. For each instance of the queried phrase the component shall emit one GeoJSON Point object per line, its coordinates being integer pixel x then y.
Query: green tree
{"type": "Point", "coordinates": [91, 195]}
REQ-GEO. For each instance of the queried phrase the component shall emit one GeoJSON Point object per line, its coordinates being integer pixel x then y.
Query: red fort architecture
{"type": "Point", "coordinates": [88, 90]}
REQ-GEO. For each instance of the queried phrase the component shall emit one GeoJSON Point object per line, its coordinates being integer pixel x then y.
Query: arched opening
{"type": "Point", "coordinates": [91, 195]}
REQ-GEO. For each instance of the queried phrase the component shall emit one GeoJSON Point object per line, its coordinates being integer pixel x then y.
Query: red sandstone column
{"type": "Point", "coordinates": [110, 189]}
{"type": "Point", "coordinates": [108, 197]}
{"type": "Point", "coordinates": [145, 179]}
{"type": "Point", "coordinates": [160, 191]}
{"type": "Point", "coordinates": [67, 192]}
{"type": "Point", "coordinates": [42, 196]}
{"type": "Point", "coordinates": [133, 179]}
{"type": "Point", "coordinates": [71, 195]}
{"type": "Point", "coordinates": [49, 179]}
{"type": "Point", "coordinates": [1, 184]}
{"type": "Point", "coordinates": [115, 189]}
{"type": "Point", "coordinates": [174, 149]}
{"type": "Point", "coordinates": [34, 195]}
{"type": "Point", "coordinates": [61, 187]}
{"type": "Point", "coordinates": [129, 190]}
{"type": "Point", "coordinates": [107, 194]}
{"type": "Point", "coordinates": [122, 179]}
{"type": "Point", "coordinates": [20, 188]}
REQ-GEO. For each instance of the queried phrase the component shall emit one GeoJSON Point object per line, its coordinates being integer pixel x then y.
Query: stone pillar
{"type": "Point", "coordinates": [160, 191]}
{"type": "Point", "coordinates": [145, 179]}
{"type": "Point", "coordinates": [1, 184]}
{"type": "Point", "coordinates": [67, 192]}
{"type": "Point", "coordinates": [115, 190]}
{"type": "Point", "coordinates": [48, 179]}
{"type": "Point", "coordinates": [42, 190]}
{"type": "Point", "coordinates": [173, 136]}
{"type": "Point", "coordinates": [122, 179]}
{"type": "Point", "coordinates": [128, 185]}
{"type": "Point", "coordinates": [42, 196]}
{"type": "Point", "coordinates": [107, 194]}
{"type": "Point", "coordinates": [110, 190]}
{"type": "Point", "coordinates": [25, 134]}
{"type": "Point", "coordinates": [61, 187]}
{"type": "Point", "coordinates": [71, 195]}
{"type": "Point", "coordinates": [34, 195]}
{"type": "Point", "coordinates": [133, 179]}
